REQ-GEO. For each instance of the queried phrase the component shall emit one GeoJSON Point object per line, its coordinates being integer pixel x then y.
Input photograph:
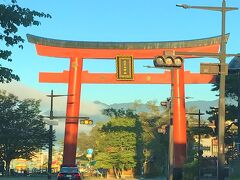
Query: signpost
{"type": "Point", "coordinates": [213, 68]}
{"type": "Point", "coordinates": [90, 151]}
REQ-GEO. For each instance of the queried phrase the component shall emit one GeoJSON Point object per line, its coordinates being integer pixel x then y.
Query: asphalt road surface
{"type": "Point", "coordinates": [87, 178]}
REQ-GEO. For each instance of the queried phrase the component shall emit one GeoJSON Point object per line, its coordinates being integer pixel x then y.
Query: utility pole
{"type": "Point", "coordinates": [199, 141]}
{"type": "Point", "coordinates": [170, 151]}
{"type": "Point", "coordinates": [171, 144]}
{"type": "Point", "coordinates": [169, 104]}
{"type": "Point", "coordinates": [222, 73]}
{"type": "Point", "coordinates": [221, 113]}
{"type": "Point", "coordinates": [50, 139]}
{"type": "Point", "coordinates": [51, 122]}
{"type": "Point", "coordinates": [199, 136]}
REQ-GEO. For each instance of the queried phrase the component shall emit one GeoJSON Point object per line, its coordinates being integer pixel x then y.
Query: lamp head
{"type": "Point", "coordinates": [185, 6]}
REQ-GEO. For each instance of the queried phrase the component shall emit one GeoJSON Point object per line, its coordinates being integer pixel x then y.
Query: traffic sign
{"type": "Point", "coordinates": [213, 68]}
{"type": "Point", "coordinates": [51, 122]}
{"type": "Point", "coordinates": [90, 151]}
{"type": "Point", "coordinates": [204, 148]}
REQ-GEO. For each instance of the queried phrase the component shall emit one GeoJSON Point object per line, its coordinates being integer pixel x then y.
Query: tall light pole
{"type": "Point", "coordinates": [222, 58]}
{"type": "Point", "coordinates": [50, 139]}
{"type": "Point", "coordinates": [171, 143]}
{"type": "Point", "coordinates": [168, 105]}
{"type": "Point", "coordinates": [51, 123]}
{"type": "Point", "coordinates": [85, 120]}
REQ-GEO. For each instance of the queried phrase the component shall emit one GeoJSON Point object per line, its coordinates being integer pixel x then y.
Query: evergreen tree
{"type": "Point", "coordinates": [231, 92]}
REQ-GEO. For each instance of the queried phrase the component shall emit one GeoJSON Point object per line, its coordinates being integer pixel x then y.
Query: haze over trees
{"type": "Point", "coordinates": [22, 131]}
{"type": "Point", "coordinates": [13, 17]}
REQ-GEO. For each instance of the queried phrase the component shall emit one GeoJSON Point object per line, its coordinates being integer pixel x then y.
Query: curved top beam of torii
{"type": "Point", "coordinates": [109, 50]}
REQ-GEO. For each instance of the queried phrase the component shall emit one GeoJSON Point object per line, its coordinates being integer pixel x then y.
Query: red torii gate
{"type": "Point", "coordinates": [79, 50]}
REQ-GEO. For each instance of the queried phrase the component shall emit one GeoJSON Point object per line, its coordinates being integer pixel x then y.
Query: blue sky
{"type": "Point", "coordinates": [125, 20]}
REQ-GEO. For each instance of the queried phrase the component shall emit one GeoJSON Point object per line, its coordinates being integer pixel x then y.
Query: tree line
{"type": "Point", "coordinates": [129, 140]}
{"type": "Point", "coordinates": [22, 131]}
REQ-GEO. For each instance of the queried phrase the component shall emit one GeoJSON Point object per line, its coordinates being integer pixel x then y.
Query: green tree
{"type": "Point", "coordinates": [130, 113]}
{"type": "Point", "coordinates": [149, 146]}
{"type": "Point", "coordinates": [231, 90]}
{"type": "Point", "coordinates": [84, 142]}
{"type": "Point", "coordinates": [117, 149]}
{"type": "Point", "coordinates": [12, 17]}
{"type": "Point", "coordinates": [22, 131]}
{"type": "Point", "coordinates": [111, 112]}
{"type": "Point", "coordinates": [89, 141]}
{"type": "Point", "coordinates": [231, 93]}
{"type": "Point", "coordinates": [155, 144]}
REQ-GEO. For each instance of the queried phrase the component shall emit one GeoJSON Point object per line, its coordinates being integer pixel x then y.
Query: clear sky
{"type": "Point", "coordinates": [125, 20]}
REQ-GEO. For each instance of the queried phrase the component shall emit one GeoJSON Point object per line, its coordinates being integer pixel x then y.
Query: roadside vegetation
{"type": "Point", "coordinates": [22, 130]}
{"type": "Point", "coordinates": [129, 141]}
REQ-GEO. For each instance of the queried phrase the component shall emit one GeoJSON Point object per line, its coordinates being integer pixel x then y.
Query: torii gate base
{"type": "Point", "coordinates": [76, 51]}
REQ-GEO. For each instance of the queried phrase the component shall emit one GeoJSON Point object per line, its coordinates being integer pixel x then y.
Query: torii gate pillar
{"type": "Point", "coordinates": [73, 107]}
{"type": "Point", "coordinates": [179, 118]}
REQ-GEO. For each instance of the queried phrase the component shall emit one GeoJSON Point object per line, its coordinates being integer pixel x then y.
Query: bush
{"type": "Point", "coordinates": [190, 170]}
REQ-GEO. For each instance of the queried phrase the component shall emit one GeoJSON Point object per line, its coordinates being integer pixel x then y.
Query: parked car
{"type": "Point", "coordinates": [69, 173]}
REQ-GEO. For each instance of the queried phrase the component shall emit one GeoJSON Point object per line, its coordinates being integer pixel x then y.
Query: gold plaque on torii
{"type": "Point", "coordinates": [125, 68]}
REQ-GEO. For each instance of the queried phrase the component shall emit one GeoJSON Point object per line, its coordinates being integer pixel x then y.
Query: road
{"type": "Point", "coordinates": [54, 178]}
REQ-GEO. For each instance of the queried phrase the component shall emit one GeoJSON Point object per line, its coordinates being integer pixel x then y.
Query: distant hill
{"type": "Point", "coordinates": [97, 116]}
{"type": "Point", "coordinates": [140, 107]}
{"type": "Point", "coordinates": [202, 105]}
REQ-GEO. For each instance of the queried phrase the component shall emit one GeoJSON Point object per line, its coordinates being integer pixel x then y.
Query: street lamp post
{"type": "Point", "coordinates": [222, 58]}
{"type": "Point", "coordinates": [51, 123]}
{"type": "Point", "coordinates": [168, 105]}
{"type": "Point", "coordinates": [171, 143]}
{"type": "Point", "coordinates": [51, 117]}
{"type": "Point", "coordinates": [50, 139]}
